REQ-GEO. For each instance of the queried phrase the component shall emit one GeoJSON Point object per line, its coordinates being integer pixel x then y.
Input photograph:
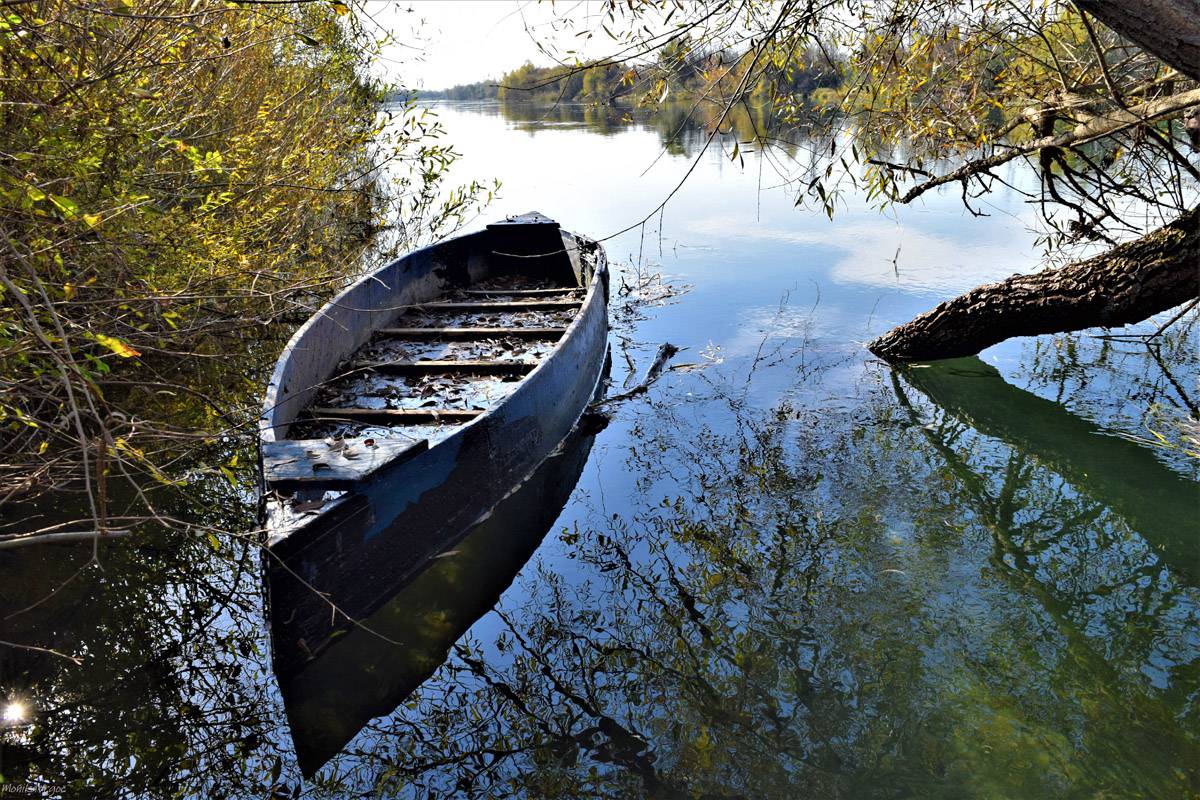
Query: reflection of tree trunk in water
{"type": "Point", "coordinates": [997, 515]}
{"type": "Point", "coordinates": [1124, 285]}
{"type": "Point", "coordinates": [1158, 503]}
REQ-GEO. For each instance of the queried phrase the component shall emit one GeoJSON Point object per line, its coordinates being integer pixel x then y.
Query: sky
{"type": "Point", "coordinates": [442, 43]}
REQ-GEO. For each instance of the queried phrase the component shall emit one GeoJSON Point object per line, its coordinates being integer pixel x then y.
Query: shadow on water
{"type": "Point", "coordinates": [1160, 504]}
{"type": "Point", "coordinates": [336, 675]}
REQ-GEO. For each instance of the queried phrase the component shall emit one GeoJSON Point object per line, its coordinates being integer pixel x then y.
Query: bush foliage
{"type": "Point", "coordinates": [175, 179]}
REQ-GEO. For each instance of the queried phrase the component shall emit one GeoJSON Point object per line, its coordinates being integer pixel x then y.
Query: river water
{"type": "Point", "coordinates": [786, 570]}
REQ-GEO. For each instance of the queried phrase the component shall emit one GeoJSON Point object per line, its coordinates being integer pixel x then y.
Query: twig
{"type": "Point", "coordinates": [36, 649]}
{"type": "Point", "coordinates": [1099, 126]}
{"type": "Point", "coordinates": [666, 352]}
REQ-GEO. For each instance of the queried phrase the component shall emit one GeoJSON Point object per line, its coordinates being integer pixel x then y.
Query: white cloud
{"type": "Point", "coordinates": [927, 262]}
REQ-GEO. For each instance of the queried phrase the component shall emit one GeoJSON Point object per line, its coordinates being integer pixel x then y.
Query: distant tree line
{"type": "Point", "coordinates": [805, 78]}
{"type": "Point", "coordinates": [483, 90]}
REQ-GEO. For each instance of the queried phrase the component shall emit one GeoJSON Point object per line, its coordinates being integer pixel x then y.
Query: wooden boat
{"type": "Point", "coordinates": [431, 401]}
{"type": "Point", "coordinates": [459, 366]}
{"type": "Point", "coordinates": [337, 671]}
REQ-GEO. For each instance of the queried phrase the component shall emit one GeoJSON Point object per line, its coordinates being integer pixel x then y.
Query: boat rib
{"type": "Point", "coordinates": [522, 292]}
{"type": "Point", "coordinates": [399, 416]}
{"type": "Point", "coordinates": [466, 367]}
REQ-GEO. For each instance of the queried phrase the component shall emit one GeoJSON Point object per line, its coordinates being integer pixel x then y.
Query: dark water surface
{"type": "Point", "coordinates": [785, 571]}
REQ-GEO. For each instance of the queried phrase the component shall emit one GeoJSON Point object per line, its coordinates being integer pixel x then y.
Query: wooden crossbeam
{"type": "Point", "coordinates": [473, 333]}
{"type": "Point", "coordinates": [514, 305]}
{"type": "Point", "coordinates": [470, 367]}
{"type": "Point", "coordinates": [522, 292]}
{"type": "Point", "coordinates": [398, 416]}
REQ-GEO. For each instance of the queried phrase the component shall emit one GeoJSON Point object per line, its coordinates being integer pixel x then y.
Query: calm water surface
{"type": "Point", "coordinates": [785, 571]}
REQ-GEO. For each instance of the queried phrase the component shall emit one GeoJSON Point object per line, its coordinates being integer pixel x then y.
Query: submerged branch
{"type": "Point", "coordinates": [666, 352]}
{"type": "Point", "coordinates": [66, 537]}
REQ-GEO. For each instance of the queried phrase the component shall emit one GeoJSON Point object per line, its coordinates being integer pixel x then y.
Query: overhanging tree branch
{"type": "Point", "coordinates": [1170, 29]}
{"type": "Point", "coordinates": [1095, 127]}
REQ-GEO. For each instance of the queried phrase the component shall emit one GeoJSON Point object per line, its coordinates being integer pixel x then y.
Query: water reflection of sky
{"type": "Point", "coordinates": [720, 228]}
{"type": "Point", "coordinates": [757, 265]}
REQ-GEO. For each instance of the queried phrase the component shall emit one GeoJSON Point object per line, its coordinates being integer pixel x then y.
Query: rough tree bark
{"type": "Point", "coordinates": [1127, 284]}
{"type": "Point", "coordinates": [1170, 29]}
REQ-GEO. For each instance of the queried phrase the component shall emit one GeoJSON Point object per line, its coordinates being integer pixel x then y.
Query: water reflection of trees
{"type": "Point", "coordinates": [875, 603]}
{"type": "Point", "coordinates": [918, 592]}
{"type": "Point", "coordinates": [682, 126]}
{"type": "Point", "coordinates": [170, 695]}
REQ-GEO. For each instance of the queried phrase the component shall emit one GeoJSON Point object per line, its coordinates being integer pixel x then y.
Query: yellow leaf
{"type": "Point", "coordinates": [43, 447]}
{"type": "Point", "coordinates": [92, 220]}
{"type": "Point", "coordinates": [68, 290]}
{"type": "Point", "coordinates": [116, 345]}
{"type": "Point", "coordinates": [66, 205]}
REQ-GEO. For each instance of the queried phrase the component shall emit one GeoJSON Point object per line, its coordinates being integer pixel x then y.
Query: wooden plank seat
{"type": "Point", "coordinates": [398, 416]}
{"type": "Point", "coordinates": [473, 333]}
{"type": "Point", "coordinates": [484, 307]}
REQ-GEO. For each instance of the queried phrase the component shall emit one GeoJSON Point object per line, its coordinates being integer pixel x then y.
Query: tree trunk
{"type": "Point", "coordinates": [1127, 284]}
{"type": "Point", "coordinates": [1169, 29]}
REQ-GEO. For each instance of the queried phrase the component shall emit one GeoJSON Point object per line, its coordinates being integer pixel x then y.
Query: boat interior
{"type": "Point", "coordinates": [443, 363]}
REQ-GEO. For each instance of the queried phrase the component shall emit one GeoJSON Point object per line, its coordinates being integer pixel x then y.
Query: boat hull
{"type": "Point", "coordinates": [387, 527]}
{"type": "Point", "coordinates": [364, 670]}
